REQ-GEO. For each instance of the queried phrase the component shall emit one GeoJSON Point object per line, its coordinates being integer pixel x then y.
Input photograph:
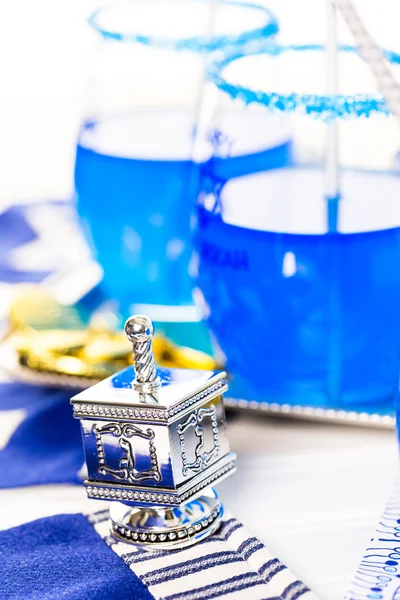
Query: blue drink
{"type": "Point", "coordinates": [305, 317]}
{"type": "Point", "coordinates": [136, 187]}
{"type": "Point", "coordinates": [135, 207]}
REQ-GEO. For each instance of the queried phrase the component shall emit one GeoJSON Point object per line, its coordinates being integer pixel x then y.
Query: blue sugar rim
{"type": "Point", "coordinates": [195, 44]}
{"type": "Point", "coordinates": [324, 107]}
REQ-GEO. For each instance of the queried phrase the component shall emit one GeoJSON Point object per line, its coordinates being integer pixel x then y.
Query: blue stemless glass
{"type": "Point", "coordinates": [135, 179]}
{"type": "Point", "coordinates": [304, 315]}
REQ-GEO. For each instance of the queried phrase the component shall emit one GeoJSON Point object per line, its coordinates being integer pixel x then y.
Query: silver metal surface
{"type": "Point", "coordinates": [156, 458]}
{"type": "Point", "coordinates": [167, 528]}
{"type": "Point", "coordinates": [171, 453]}
{"type": "Point", "coordinates": [140, 330]}
{"type": "Point", "coordinates": [178, 386]}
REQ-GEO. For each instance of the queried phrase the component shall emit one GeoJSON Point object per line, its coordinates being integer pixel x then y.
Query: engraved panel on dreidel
{"type": "Point", "coordinates": [199, 440]}
{"type": "Point", "coordinates": [128, 454]}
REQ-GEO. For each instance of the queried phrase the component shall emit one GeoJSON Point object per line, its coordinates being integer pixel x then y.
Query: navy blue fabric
{"type": "Point", "coordinates": [63, 557]}
{"type": "Point", "coordinates": [15, 231]}
{"type": "Point", "coordinates": [46, 447]}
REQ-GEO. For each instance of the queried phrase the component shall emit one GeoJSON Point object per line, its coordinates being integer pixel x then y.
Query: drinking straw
{"type": "Point", "coordinates": [202, 108]}
{"type": "Point", "coordinates": [373, 56]}
{"type": "Point", "coordinates": [331, 173]}
{"type": "Point", "coordinates": [387, 85]}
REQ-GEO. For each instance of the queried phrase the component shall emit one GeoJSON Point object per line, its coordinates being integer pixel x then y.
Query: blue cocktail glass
{"type": "Point", "coordinates": [135, 178]}
{"type": "Point", "coordinates": [305, 315]}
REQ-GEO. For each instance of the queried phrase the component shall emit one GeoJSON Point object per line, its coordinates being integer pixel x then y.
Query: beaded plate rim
{"type": "Point", "coordinates": [314, 413]}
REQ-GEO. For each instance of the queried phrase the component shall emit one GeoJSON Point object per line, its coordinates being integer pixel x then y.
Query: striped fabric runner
{"type": "Point", "coordinates": [231, 564]}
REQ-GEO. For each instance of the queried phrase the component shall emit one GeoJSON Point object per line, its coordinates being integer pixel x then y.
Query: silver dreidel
{"type": "Point", "coordinates": [155, 442]}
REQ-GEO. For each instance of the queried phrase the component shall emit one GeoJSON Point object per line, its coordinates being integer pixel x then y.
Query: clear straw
{"type": "Point", "coordinates": [205, 104]}
{"type": "Point", "coordinates": [373, 56]}
{"type": "Point", "coordinates": [332, 191]}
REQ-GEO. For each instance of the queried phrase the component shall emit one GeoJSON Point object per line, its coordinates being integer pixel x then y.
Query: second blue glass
{"type": "Point", "coordinates": [304, 315]}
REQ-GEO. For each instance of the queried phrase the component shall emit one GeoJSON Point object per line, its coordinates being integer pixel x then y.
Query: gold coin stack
{"type": "Point", "coordinates": [52, 339]}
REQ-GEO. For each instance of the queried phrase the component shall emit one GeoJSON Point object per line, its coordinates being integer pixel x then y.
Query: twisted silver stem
{"type": "Point", "coordinates": [139, 330]}
{"type": "Point", "coordinates": [143, 357]}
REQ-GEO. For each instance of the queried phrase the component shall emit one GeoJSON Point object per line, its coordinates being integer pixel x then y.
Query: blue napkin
{"type": "Point", "coordinates": [73, 557]}
{"type": "Point", "coordinates": [63, 557]}
{"type": "Point", "coordinates": [46, 447]}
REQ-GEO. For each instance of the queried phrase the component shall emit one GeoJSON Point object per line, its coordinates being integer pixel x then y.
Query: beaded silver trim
{"type": "Point", "coordinates": [311, 413]}
{"type": "Point", "coordinates": [123, 412]}
{"type": "Point", "coordinates": [130, 535]}
{"type": "Point", "coordinates": [219, 386]}
{"type": "Point", "coordinates": [145, 496]}
{"type": "Point", "coordinates": [82, 410]}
